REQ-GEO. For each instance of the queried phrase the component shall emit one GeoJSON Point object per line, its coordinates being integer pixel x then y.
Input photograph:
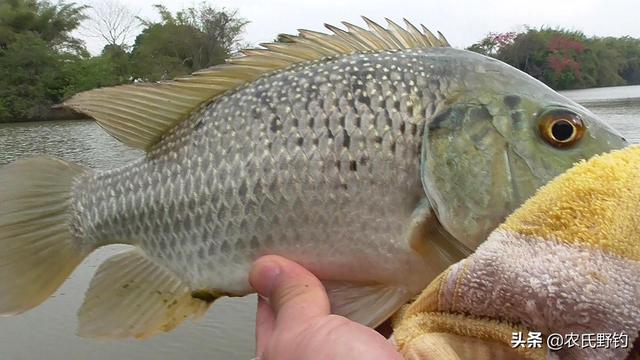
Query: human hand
{"type": "Point", "coordinates": [295, 322]}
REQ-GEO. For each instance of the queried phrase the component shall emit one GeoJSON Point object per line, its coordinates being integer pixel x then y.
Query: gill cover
{"type": "Point", "coordinates": [465, 170]}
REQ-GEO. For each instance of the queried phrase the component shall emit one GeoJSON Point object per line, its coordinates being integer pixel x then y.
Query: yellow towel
{"type": "Point", "coordinates": [559, 279]}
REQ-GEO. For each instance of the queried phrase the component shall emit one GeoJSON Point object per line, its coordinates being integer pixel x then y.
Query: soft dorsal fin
{"type": "Point", "coordinates": [139, 114]}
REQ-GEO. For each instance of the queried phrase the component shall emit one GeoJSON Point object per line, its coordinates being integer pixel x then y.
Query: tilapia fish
{"type": "Point", "coordinates": [374, 158]}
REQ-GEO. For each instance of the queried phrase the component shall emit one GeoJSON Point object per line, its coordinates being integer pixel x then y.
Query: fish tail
{"type": "Point", "coordinates": [38, 248]}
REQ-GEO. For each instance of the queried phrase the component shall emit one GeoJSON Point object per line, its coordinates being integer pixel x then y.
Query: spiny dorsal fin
{"type": "Point", "coordinates": [140, 114]}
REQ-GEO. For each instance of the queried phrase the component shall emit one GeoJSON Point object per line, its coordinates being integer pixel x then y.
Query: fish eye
{"type": "Point", "coordinates": [561, 128]}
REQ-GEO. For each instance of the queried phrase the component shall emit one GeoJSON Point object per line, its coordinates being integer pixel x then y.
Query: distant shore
{"type": "Point", "coordinates": [56, 113]}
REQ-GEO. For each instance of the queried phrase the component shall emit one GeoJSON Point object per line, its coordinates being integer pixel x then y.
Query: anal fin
{"type": "Point", "coordinates": [367, 303]}
{"type": "Point", "coordinates": [131, 296]}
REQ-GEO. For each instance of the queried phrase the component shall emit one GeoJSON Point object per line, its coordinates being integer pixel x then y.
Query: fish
{"type": "Point", "coordinates": [374, 157]}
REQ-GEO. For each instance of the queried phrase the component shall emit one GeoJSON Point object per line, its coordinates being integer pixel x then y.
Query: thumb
{"type": "Point", "coordinates": [294, 293]}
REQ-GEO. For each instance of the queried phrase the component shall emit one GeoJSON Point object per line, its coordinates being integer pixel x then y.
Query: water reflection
{"type": "Point", "coordinates": [82, 142]}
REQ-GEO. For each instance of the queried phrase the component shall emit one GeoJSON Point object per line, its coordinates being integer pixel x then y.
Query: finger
{"type": "Point", "coordinates": [265, 323]}
{"type": "Point", "coordinates": [294, 293]}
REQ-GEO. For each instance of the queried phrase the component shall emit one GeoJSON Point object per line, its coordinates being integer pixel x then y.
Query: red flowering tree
{"type": "Point", "coordinates": [492, 43]}
{"type": "Point", "coordinates": [563, 60]}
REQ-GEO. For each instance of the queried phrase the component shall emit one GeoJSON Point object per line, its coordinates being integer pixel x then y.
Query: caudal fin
{"type": "Point", "coordinates": [37, 248]}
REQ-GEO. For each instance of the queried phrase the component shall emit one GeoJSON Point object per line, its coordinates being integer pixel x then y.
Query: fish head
{"type": "Point", "coordinates": [492, 148]}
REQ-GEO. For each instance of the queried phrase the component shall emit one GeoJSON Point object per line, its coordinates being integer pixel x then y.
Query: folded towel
{"type": "Point", "coordinates": [567, 262]}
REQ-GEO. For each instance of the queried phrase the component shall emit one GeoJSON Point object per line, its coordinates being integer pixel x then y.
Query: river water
{"type": "Point", "coordinates": [226, 332]}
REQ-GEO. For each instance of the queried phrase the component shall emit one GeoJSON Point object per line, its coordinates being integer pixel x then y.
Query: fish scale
{"type": "Point", "coordinates": [374, 158]}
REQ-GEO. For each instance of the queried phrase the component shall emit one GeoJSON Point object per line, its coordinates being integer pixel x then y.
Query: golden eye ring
{"type": "Point", "coordinates": [561, 128]}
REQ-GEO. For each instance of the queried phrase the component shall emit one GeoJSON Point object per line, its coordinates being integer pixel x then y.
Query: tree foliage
{"type": "Point", "coordinates": [568, 59]}
{"type": "Point", "coordinates": [112, 67]}
{"type": "Point", "coordinates": [41, 63]}
{"type": "Point", "coordinates": [192, 39]}
{"type": "Point", "coordinates": [494, 42]}
{"type": "Point", "coordinates": [35, 44]}
{"type": "Point", "coordinates": [31, 79]}
{"type": "Point", "coordinates": [50, 23]}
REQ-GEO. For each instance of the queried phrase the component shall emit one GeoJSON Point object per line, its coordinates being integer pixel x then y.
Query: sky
{"type": "Point", "coordinates": [463, 22]}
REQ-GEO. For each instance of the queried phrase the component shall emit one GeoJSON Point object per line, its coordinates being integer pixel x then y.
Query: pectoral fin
{"type": "Point", "coordinates": [368, 304]}
{"type": "Point", "coordinates": [131, 296]}
{"type": "Point", "coordinates": [427, 237]}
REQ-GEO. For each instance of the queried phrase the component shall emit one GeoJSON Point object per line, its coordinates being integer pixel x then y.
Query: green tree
{"type": "Point", "coordinates": [603, 63]}
{"type": "Point", "coordinates": [41, 63]}
{"type": "Point", "coordinates": [192, 39]}
{"type": "Point", "coordinates": [51, 23]}
{"type": "Point", "coordinates": [111, 68]}
{"type": "Point", "coordinates": [35, 46]}
{"type": "Point", "coordinates": [630, 50]}
{"type": "Point", "coordinates": [494, 42]}
{"type": "Point", "coordinates": [31, 80]}
{"type": "Point", "coordinates": [527, 52]}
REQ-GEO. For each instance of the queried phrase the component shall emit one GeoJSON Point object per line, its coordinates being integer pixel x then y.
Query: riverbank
{"type": "Point", "coordinates": [56, 113]}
